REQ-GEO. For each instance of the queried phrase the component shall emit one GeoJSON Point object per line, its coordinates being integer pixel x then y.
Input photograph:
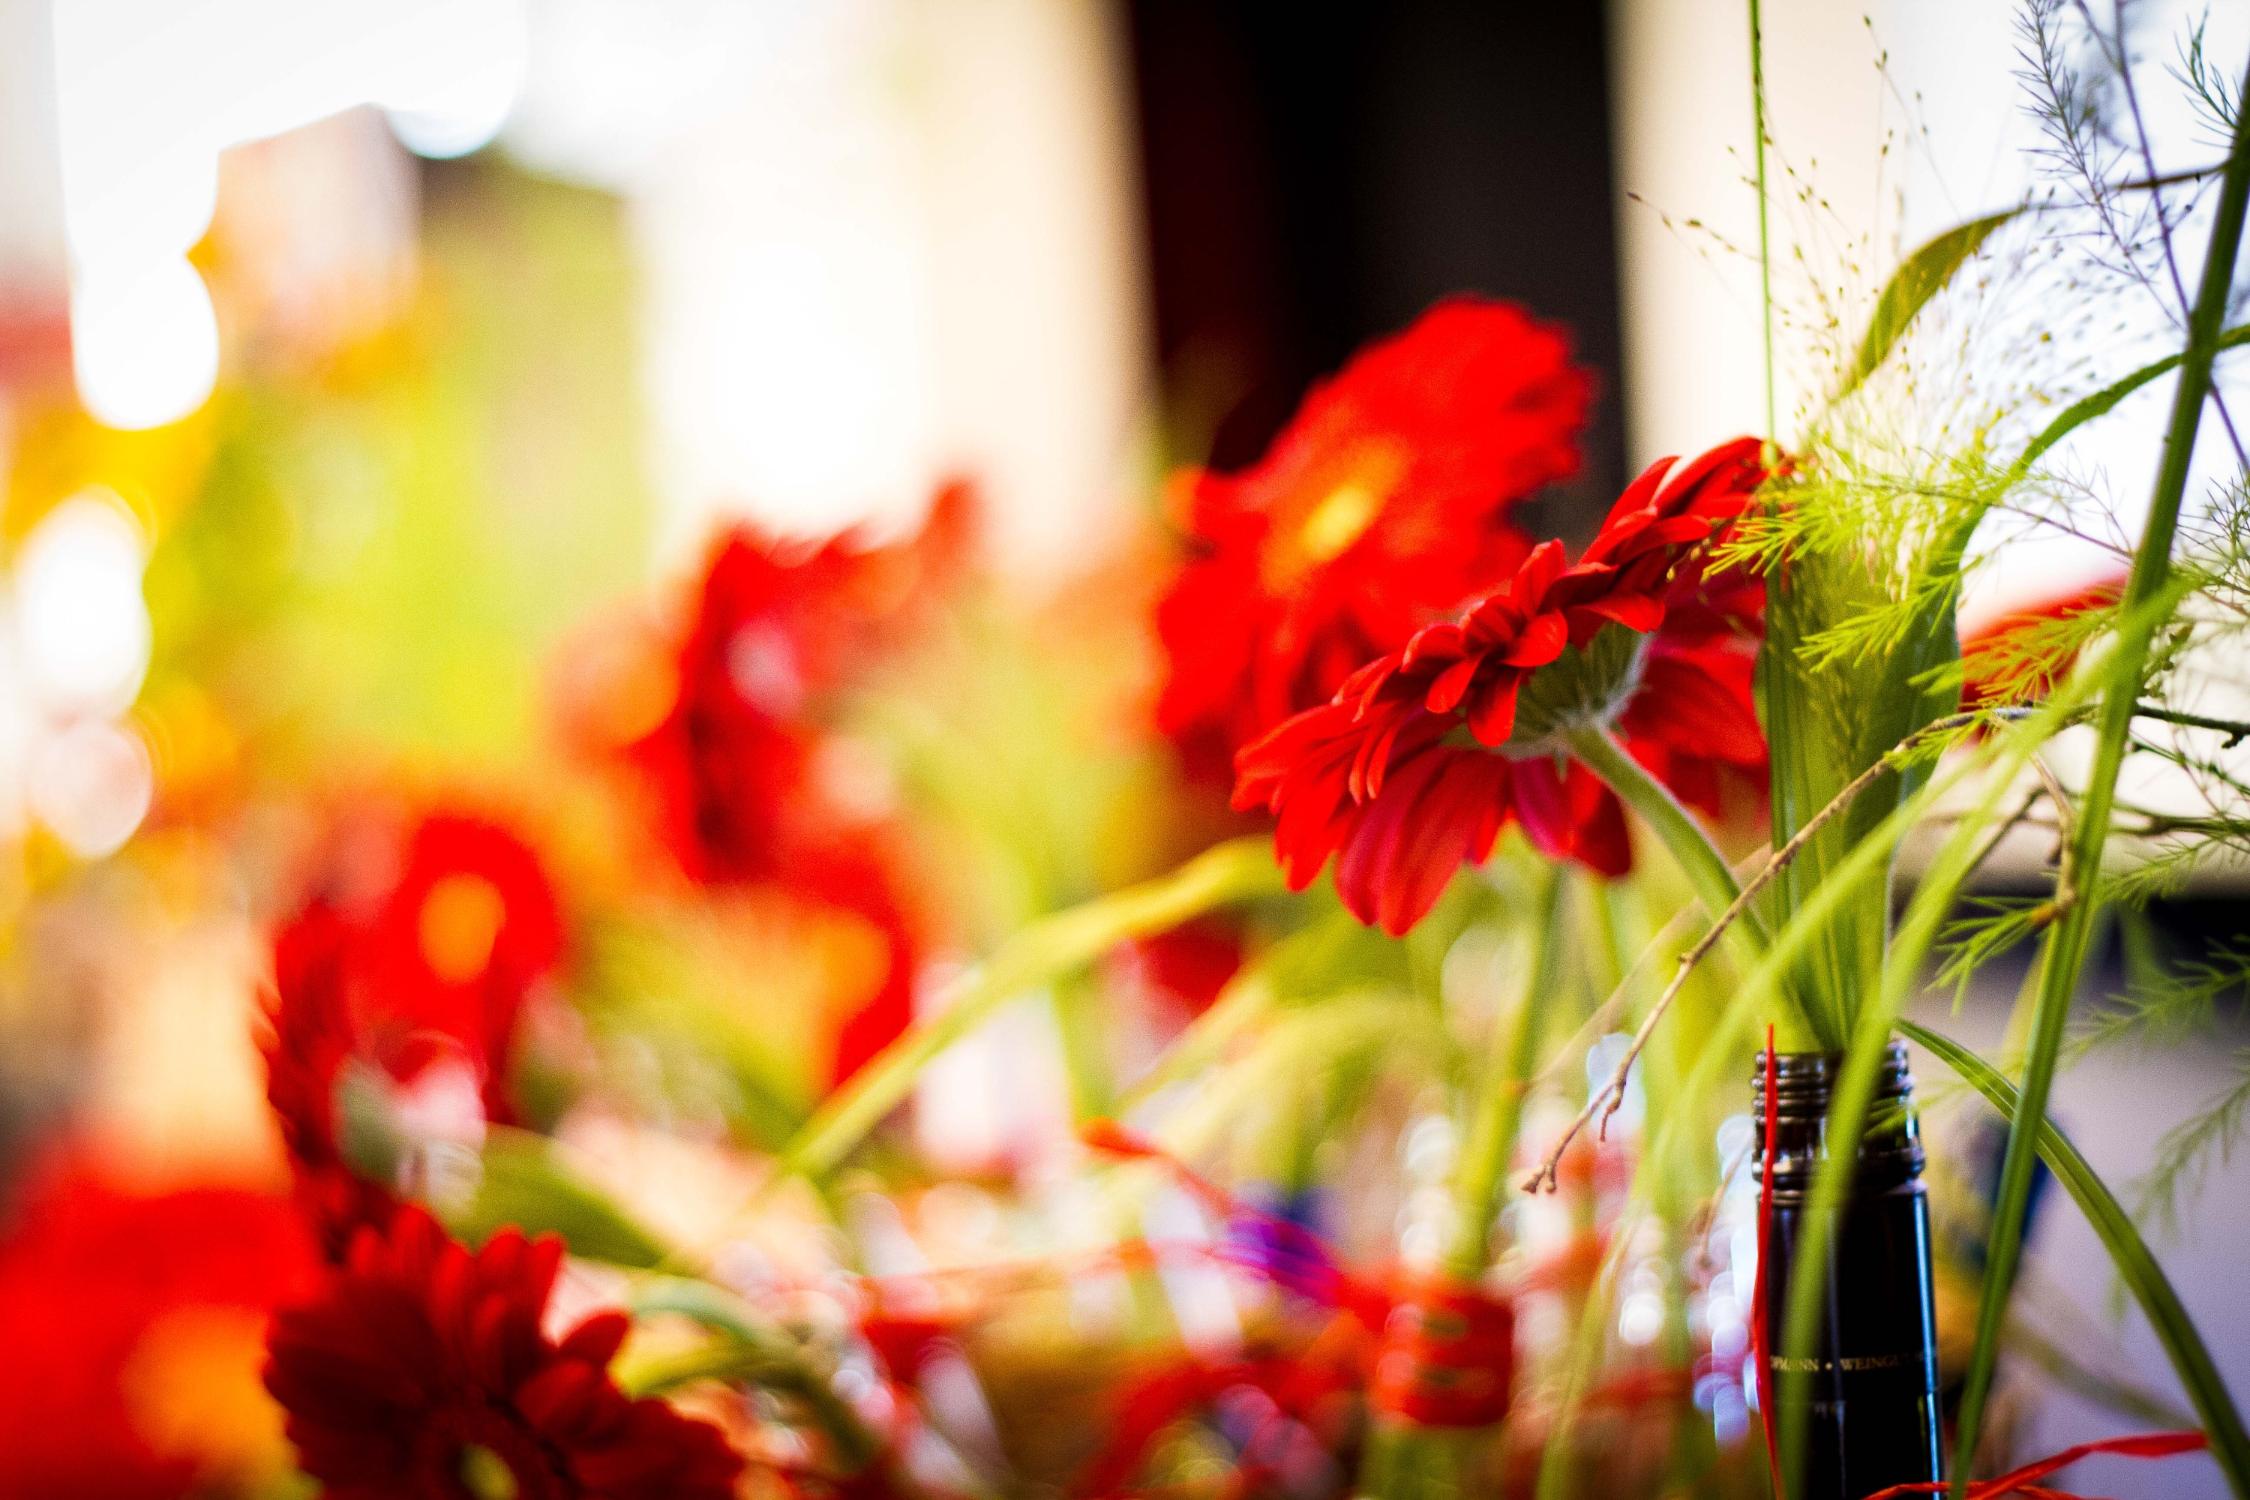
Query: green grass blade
{"type": "Point", "coordinates": [2086, 408]}
{"type": "Point", "coordinates": [524, 1183]}
{"type": "Point", "coordinates": [1040, 954]}
{"type": "Point", "coordinates": [1918, 278]}
{"type": "Point", "coordinates": [2136, 1266]}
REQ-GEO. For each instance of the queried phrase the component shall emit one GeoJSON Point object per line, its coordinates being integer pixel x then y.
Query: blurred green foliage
{"type": "Point", "coordinates": [386, 555]}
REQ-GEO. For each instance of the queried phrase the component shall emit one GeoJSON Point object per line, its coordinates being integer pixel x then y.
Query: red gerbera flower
{"type": "Point", "coordinates": [1425, 754]}
{"type": "Point", "coordinates": [1381, 507]}
{"type": "Point", "coordinates": [308, 1042]}
{"type": "Point", "coordinates": [857, 872]}
{"type": "Point", "coordinates": [416, 950]}
{"type": "Point", "coordinates": [421, 1366]}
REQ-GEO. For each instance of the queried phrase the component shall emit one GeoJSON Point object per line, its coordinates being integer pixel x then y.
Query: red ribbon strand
{"type": "Point", "coordinates": [2025, 1481]}
{"type": "Point", "coordinates": [1761, 1346]}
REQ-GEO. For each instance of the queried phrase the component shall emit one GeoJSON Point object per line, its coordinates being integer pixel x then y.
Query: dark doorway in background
{"type": "Point", "coordinates": [1316, 176]}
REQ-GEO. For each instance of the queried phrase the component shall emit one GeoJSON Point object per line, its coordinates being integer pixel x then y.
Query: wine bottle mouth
{"type": "Point", "coordinates": [1889, 1151]}
{"type": "Point", "coordinates": [1810, 1078]}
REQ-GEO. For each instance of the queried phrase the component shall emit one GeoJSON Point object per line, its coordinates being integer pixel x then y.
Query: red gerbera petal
{"type": "Point", "coordinates": [1452, 685]}
{"type": "Point", "coordinates": [1639, 613]}
{"type": "Point", "coordinates": [1541, 641]}
{"type": "Point", "coordinates": [1700, 700]}
{"type": "Point", "coordinates": [1492, 712]}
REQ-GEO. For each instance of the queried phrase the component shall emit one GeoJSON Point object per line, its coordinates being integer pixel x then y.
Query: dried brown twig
{"type": "Point", "coordinates": [1606, 1100]}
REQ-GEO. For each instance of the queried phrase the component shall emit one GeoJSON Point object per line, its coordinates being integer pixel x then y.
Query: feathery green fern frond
{"type": "Point", "coordinates": [2186, 1154]}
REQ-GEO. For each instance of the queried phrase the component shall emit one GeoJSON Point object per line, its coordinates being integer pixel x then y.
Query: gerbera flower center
{"type": "Point", "coordinates": [487, 1456]}
{"type": "Point", "coordinates": [1338, 521]}
{"type": "Point", "coordinates": [1332, 525]}
{"type": "Point", "coordinates": [486, 1475]}
{"type": "Point", "coordinates": [461, 920]}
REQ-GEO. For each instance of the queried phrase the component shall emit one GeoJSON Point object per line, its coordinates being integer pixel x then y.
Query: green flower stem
{"type": "Point", "coordinates": [1765, 235]}
{"type": "Point", "coordinates": [1693, 1447]}
{"type": "Point", "coordinates": [2067, 943]}
{"type": "Point", "coordinates": [1690, 847]}
{"type": "Point", "coordinates": [1042, 953]}
{"type": "Point", "coordinates": [1698, 858]}
{"type": "Point", "coordinates": [1085, 1049]}
{"type": "Point", "coordinates": [1491, 1143]}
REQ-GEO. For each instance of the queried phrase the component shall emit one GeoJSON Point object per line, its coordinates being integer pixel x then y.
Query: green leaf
{"type": "Point", "coordinates": [368, 1134]}
{"type": "Point", "coordinates": [1810, 761]}
{"type": "Point", "coordinates": [2136, 1264]}
{"type": "Point", "coordinates": [1826, 722]}
{"type": "Point", "coordinates": [1908, 689]}
{"type": "Point", "coordinates": [2086, 408]}
{"type": "Point", "coordinates": [1919, 277]}
{"type": "Point", "coordinates": [524, 1182]}
{"type": "Point", "coordinates": [2149, 606]}
{"type": "Point", "coordinates": [1828, 719]}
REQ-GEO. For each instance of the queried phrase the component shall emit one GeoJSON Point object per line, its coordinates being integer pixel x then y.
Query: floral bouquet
{"type": "Point", "coordinates": [1424, 1015]}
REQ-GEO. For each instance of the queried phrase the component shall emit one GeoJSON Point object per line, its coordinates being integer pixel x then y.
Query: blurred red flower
{"type": "Point", "coordinates": [2022, 655]}
{"type": "Point", "coordinates": [134, 1322]}
{"type": "Point", "coordinates": [1382, 506]}
{"type": "Point", "coordinates": [1425, 754]}
{"type": "Point", "coordinates": [421, 1369]}
{"type": "Point", "coordinates": [734, 760]}
{"type": "Point", "coordinates": [776, 629]}
{"type": "Point", "coordinates": [416, 948]}
{"type": "Point", "coordinates": [308, 1040]}
{"type": "Point", "coordinates": [464, 937]}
